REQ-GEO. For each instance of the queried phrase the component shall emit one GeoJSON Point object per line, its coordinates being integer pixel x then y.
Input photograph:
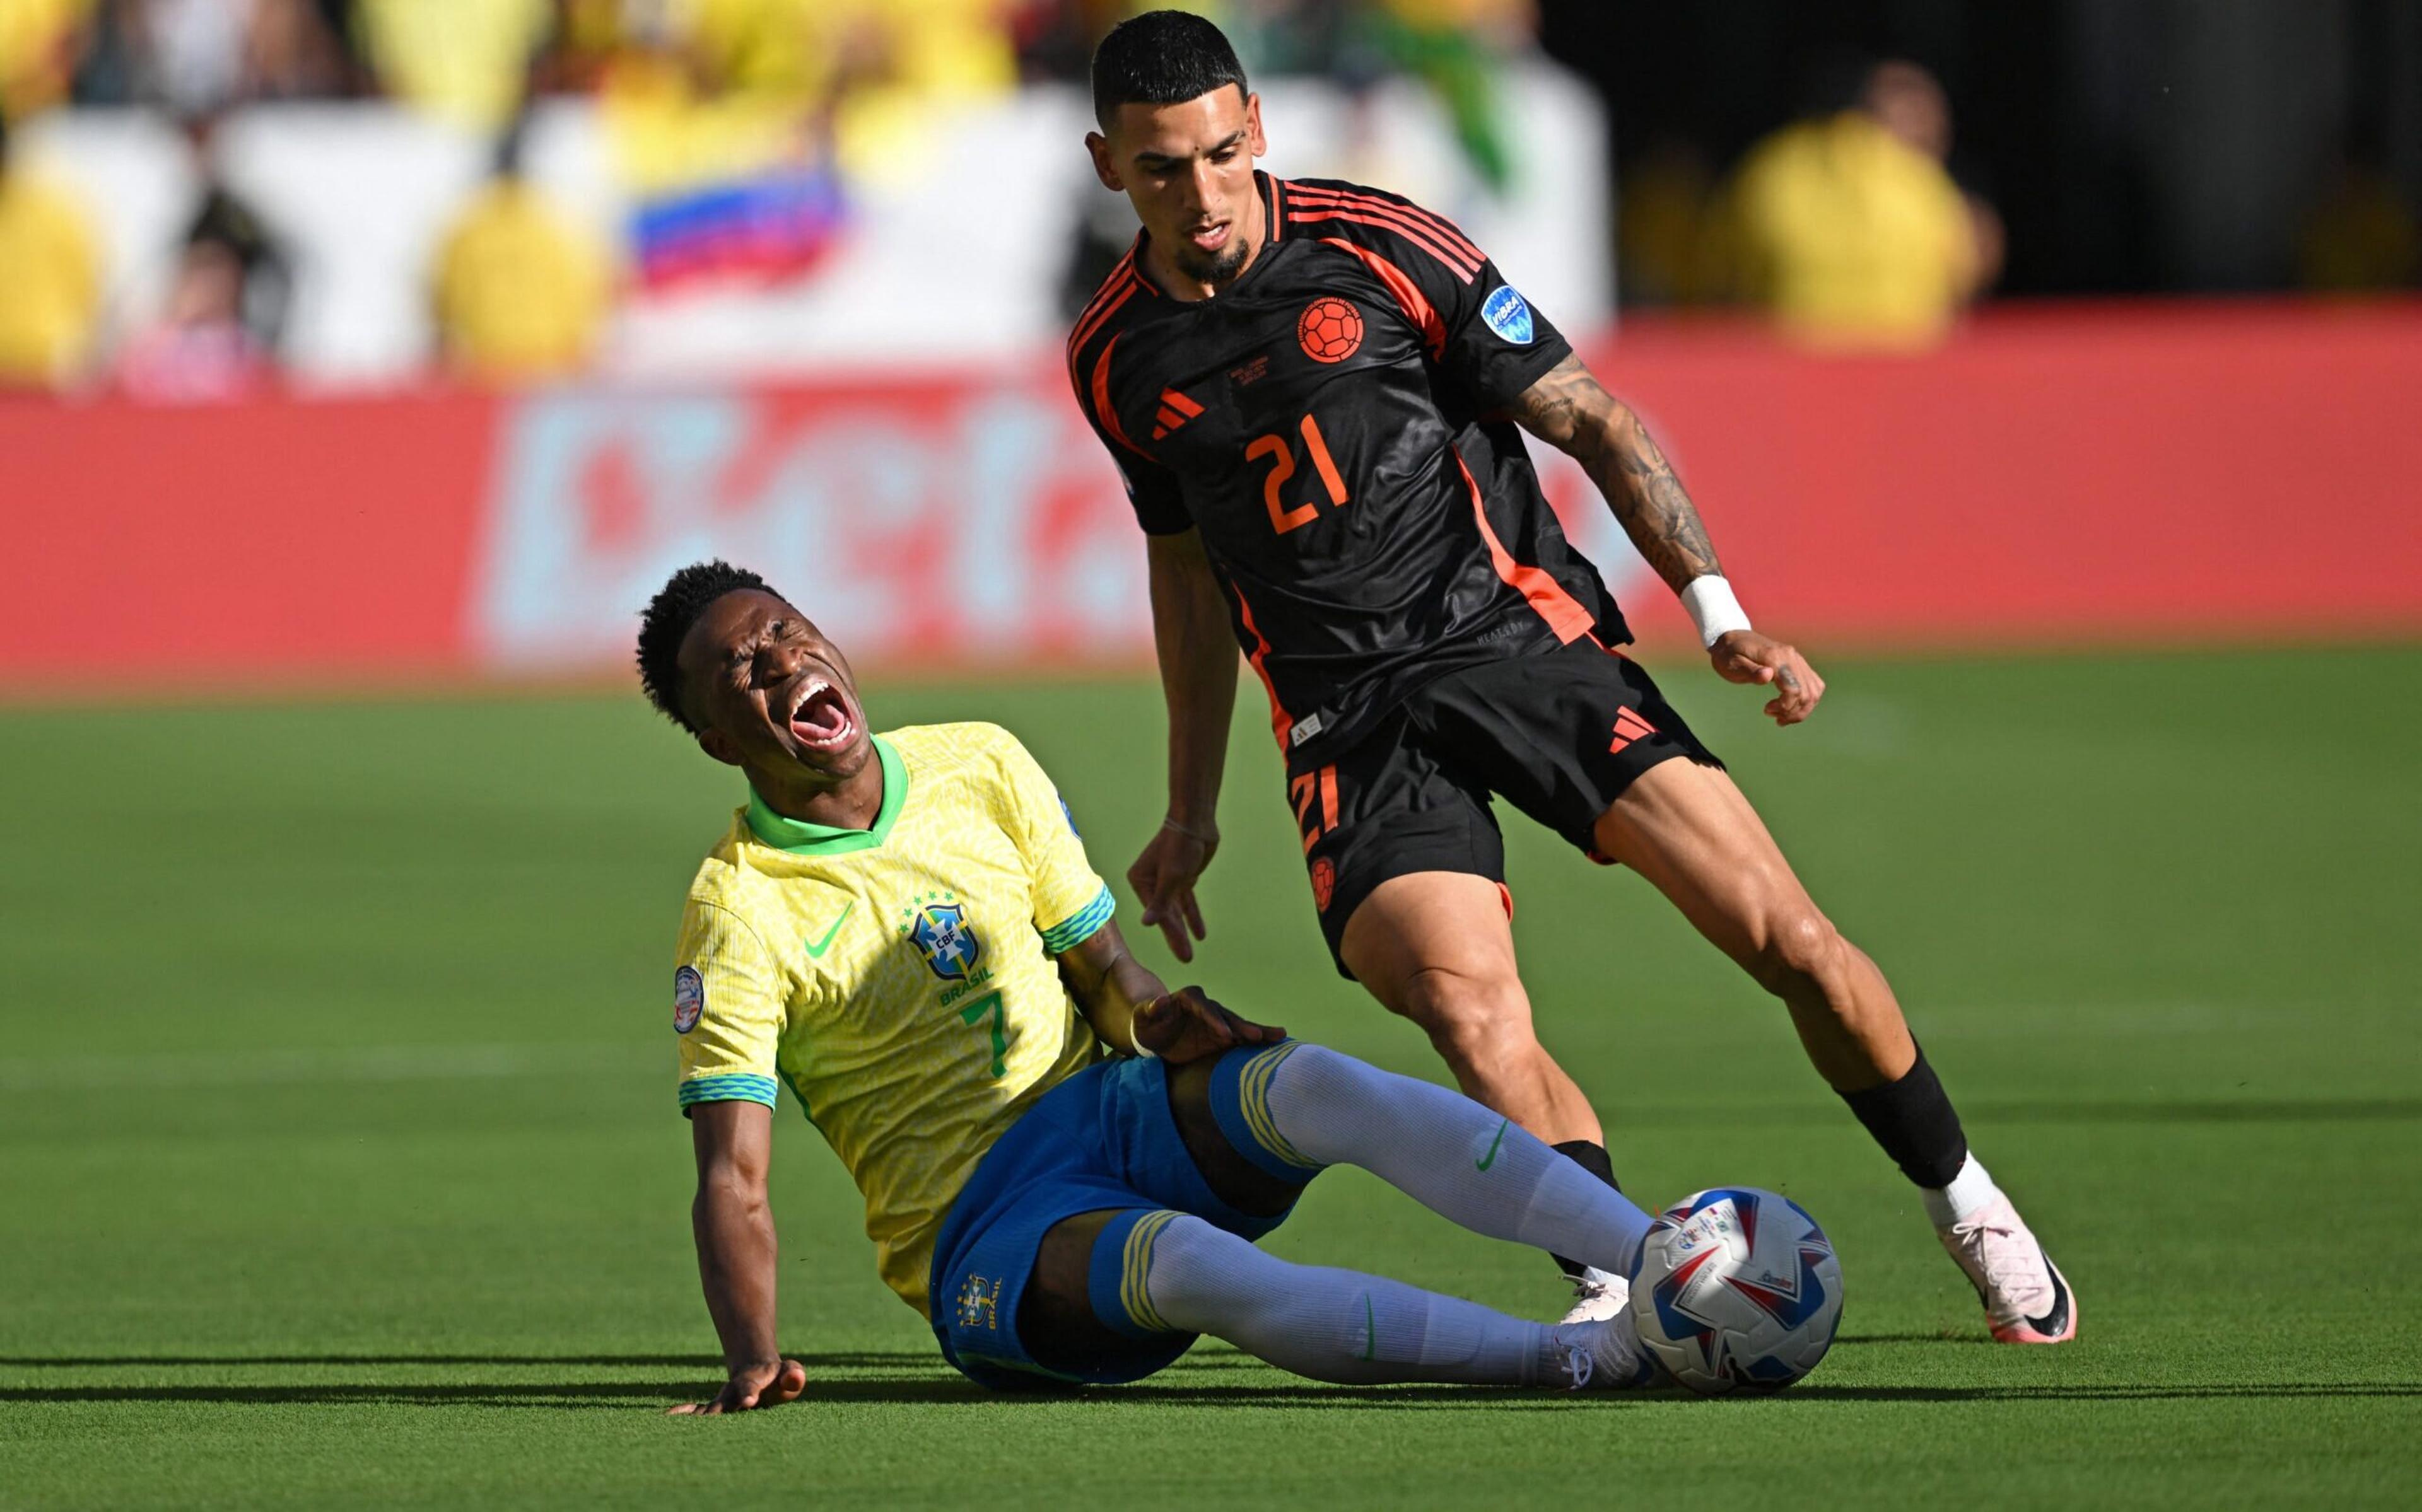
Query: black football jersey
{"type": "Point", "coordinates": [1332, 424]}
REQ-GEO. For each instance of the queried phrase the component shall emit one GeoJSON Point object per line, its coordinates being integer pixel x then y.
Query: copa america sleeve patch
{"type": "Point", "coordinates": [1507, 315]}
{"type": "Point", "coordinates": [689, 999]}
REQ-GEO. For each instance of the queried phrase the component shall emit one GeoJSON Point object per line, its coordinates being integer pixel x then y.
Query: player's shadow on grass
{"type": "Point", "coordinates": [2211, 1111]}
{"type": "Point", "coordinates": [934, 1390]}
{"type": "Point", "coordinates": [946, 1390]}
{"type": "Point", "coordinates": [894, 1377]}
{"type": "Point", "coordinates": [556, 1395]}
{"type": "Point", "coordinates": [2106, 1391]}
{"type": "Point", "coordinates": [841, 1359]}
{"type": "Point", "coordinates": [950, 1390]}
{"type": "Point", "coordinates": [862, 1360]}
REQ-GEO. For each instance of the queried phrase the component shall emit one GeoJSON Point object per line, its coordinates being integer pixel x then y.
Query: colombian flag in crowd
{"type": "Point", "coordinates": [763, 229]}
{"type": "Point", "coordinates": [742, 189]}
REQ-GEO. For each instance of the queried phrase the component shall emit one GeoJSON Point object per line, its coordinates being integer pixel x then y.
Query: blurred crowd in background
{"type": "Point", "coordinates": [1852, 215]}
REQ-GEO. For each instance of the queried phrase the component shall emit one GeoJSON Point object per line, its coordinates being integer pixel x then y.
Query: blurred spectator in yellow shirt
{"type": "Point", "coordinates": [700, 90]}
{"type": "Point", "coordinates": [895, 59]}
{"type": "Point", "coordinates": [40, 42]}
{"type": "Point", "coordinates": [1850, 229]}
{"type": "Point", "coordinates": [467, 60]}
{"type": "Point", "coordinates": [522, 293]}
{"type": "Point", "coordinates": [49, 280]}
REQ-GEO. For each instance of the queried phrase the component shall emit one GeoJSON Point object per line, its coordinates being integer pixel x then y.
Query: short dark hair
{"type": "Point", "coordinates": [665, 623]}
{"type": "Point", "coordinates": [1161, 57]}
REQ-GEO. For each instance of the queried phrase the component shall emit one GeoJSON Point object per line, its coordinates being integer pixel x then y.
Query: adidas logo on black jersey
{"type": "Point", "coordinates": [1175, 410]}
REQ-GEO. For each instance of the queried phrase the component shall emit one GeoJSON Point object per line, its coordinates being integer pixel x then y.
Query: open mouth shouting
{"type": "Point", "coordinates": [821, 717]}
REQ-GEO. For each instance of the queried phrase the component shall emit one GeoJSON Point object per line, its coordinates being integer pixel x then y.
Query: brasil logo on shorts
{"type": "Point", "coordinates": [1507, 315]}
{"type": "Point", "coordinates": [938, 928]}
{"type": "Point", "coordinates": [980, 1303]}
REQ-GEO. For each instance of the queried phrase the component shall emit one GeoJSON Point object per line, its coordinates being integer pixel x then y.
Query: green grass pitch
{"type": "Point", "coordinates": [339, 1164]}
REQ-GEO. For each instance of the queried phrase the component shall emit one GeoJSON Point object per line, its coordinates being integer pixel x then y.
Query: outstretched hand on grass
{"type": "Point", "coordinates": [1187, 1026]}
{"type": "Point", "coordinates": [751, 1387]}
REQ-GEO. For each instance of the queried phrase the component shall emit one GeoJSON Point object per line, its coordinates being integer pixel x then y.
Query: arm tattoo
{"type": "Point", "coordinates": [1570, 410]}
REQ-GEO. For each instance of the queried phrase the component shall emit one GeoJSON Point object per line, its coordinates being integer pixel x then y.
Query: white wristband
{"type": "Point", "coordinates": [1713, 608]}
{"type": "Point", "coordinates": [1135, 1041]}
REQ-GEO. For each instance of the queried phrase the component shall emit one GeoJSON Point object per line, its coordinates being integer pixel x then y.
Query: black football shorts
{"type": "Point", "coordinates": [1558, 734]}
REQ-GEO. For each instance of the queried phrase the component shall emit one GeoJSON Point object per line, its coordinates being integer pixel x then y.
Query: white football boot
{"type": "Point", "coordinates": [2026, 1298]}
{"type": "Point", "coordinates": [1605, 1354]}
{"type": "Point", "coordinates": [1597, 1295]}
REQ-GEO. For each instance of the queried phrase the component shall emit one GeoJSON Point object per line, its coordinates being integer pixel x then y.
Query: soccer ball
{"type": "Point", "coordinates": [1738, 1288]}
{"type": "Point", "coordinates": [1329, 328]}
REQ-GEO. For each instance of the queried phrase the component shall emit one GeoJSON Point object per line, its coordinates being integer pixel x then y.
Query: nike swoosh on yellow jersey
{"type": "Point", "coordinates": [816, 948]}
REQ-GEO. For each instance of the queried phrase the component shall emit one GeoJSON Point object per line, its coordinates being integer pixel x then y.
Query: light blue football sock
{"type": "Point", "coordinates": [1453, 1156]}
{"type": "Point", "coordinates": [1338, 1326]}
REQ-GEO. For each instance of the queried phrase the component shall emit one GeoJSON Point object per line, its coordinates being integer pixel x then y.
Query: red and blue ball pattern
{"type": "Point", "coordinates": [1738, 1288]}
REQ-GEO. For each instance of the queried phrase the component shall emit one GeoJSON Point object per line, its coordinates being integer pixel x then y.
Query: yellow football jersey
{"type": "Point", "coordinates": [1851, 236]}
{"type": "Point", "coordinates": [899, 980]}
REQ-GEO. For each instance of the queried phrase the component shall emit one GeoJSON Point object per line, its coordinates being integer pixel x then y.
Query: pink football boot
{"type": "Point", "coordinates": [2026, 1298]}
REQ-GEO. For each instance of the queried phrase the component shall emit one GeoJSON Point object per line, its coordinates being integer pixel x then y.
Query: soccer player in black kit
{"type": "Point", "coordinates": [1312, 390]}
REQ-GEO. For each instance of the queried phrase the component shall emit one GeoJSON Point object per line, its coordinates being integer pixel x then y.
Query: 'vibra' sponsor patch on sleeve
{"type": "Point", "coordinates": [1507, 315]}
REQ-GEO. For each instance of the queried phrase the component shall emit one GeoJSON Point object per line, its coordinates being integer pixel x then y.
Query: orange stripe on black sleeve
{"type": "Point", "coordinates": [1440, 238]}
{"type": "Point", "coordinates": [1108, 416]}
{"type": "Point", "coordinates": [1101, 310]}
{"type": "Point", "coordinates": [1453, 263]}
{"type": "Point", "coordinates": [1445, 229]}
{"type": "Point", "coordinates": [1409, 297]}
{"type": "Point", "coordinates": [1093, 306]}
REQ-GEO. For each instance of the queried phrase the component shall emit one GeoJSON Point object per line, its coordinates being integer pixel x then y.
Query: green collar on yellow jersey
{"type": "Point", "coordinates": [800, 838]}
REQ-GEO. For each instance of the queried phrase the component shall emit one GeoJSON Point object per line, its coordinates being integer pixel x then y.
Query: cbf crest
{"type": "Point", "coordinates": [980, 1303]}
{"type": "Point", "coordinates": [937, 923]}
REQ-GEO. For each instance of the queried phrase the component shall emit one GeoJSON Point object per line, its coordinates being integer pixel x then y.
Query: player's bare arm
{"type": "Point", "coordinates": [1197, 651]}
{"type": "Point", "coordinates": [1571, 411]}
{"type": "Point", "coordinates": [1129, 1007]}
{"type": "Point", "coordinates": [734, 1228]}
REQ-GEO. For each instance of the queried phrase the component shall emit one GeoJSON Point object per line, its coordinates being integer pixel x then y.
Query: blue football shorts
{"type": "Point", "coordinates": [1103, 1139]}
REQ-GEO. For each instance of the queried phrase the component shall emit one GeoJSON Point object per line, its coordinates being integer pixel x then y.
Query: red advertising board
{"type": "Point", "coordinates": [243, 540]}
{"type": "Point", "coordinates": [2164, 472]}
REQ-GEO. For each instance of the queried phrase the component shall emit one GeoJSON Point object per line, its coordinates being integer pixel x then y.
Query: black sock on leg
{"type": "Point", "coordinates": [1914, 1120]}
{"type": "Point", "coordinates": [1591, 1157]}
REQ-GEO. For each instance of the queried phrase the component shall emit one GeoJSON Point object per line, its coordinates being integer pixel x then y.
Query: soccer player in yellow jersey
{"type": "Point", "coordinates": [1064, 1163]}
